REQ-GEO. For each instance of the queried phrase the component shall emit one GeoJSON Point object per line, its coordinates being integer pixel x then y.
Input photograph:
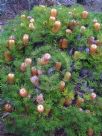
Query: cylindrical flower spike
{"type": "Point", "coordinates": [25, 39]}
{"type": "Point", "coordinates": [97, 26]}
{"type": "Point", "coordinates": [56, 27]}
{"type": "Point", "coordinates": [67, 76]}
{"type": "Point", "coordinates": [53, 13]}
{"type": "Point", "coordinates": [31, 26]}
{"type": "Point", "coordinates": [85, 14]}
{"type": "Point", "coordinates": [62, 85]}
{"type": "Point", "coordinates": [93, 96]}
{"type": "Point", "coordinates": [23, 67]}
{"type": "Point", "coordinates": [10, 78]}
{"type": "Point", "coordinates": [93, 48]}
{"type": "Point", "coordinates": [11, 44]}
{"type": "Point", "coordinates": [63, 43]}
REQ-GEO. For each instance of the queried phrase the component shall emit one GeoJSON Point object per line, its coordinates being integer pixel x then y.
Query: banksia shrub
{"type": "Point", "coordinates": [51, 73]}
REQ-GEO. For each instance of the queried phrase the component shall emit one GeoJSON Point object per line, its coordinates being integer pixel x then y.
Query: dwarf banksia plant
{"type": "Point", "coordinates": [51, 73]}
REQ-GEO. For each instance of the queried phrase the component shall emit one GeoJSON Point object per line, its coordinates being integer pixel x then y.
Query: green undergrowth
{"type": "Point", "coordinates": [61, 113]}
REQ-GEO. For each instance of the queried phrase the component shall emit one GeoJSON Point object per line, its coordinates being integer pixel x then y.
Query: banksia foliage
{"type": "Point", "coordinates": [51, 73]}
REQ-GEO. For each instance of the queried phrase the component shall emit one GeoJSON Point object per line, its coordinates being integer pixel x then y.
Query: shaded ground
{"type": "Point", "coordinates": [1, 129]}
{"type": "Point", "coordinates": [94, 6]}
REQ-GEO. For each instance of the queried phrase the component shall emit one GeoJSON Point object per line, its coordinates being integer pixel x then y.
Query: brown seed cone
{"type": "Point", "coordinates": [79, 101]}
{"type": "Point", "coordinates": [58, 66]}
{"type": "Point", "coordinates": [8, 56]}
{"type": "Point", "coordinates": [72, 24]}
{"type": "Point", "coordinates": [8, 107]}
{"type": "Point", "coordinates": [67, 102]}
{"type": "Point", "coordinates": [34, 71]}
{"type": "Point", "coordinates": [63, 43]}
